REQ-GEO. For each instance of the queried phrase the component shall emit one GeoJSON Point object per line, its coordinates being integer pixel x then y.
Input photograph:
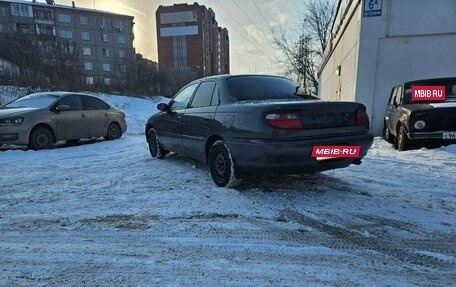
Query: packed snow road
{"type": "Point", "coordinates": [107, 214]}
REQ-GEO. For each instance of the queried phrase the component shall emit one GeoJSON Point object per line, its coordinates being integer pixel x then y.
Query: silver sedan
{"type": "Point", "coordinates": [39, 120]}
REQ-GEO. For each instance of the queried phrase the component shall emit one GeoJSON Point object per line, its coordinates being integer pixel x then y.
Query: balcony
{"type": "Point", "coordinates": [22, 20]}
{"type": "Point", "coordinates": [44, 21]}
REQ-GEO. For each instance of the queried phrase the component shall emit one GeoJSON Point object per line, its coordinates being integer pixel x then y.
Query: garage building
{"type": "Point", "coordinates": [376, 44]}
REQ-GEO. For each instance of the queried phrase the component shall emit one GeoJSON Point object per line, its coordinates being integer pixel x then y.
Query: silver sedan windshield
{"type": "Point", "coordinates": [38, 101]}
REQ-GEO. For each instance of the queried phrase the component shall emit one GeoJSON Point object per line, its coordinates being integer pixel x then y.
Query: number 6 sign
{"type": "Point", "coordinates": [372, 8]}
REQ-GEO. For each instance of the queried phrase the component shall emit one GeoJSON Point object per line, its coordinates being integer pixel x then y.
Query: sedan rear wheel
{"type": "Point", "coordinates": [155, 147]}
{"type": "Point", "coordinates": [113, 132]}
{"type": "Point", "coordinates": [41, 138]}
{"type": "Point", "coordinates": [222, 166]}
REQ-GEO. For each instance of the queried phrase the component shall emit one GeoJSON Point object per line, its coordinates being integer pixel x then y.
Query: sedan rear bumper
{"type": "Point", "coordinates": [292, 156]}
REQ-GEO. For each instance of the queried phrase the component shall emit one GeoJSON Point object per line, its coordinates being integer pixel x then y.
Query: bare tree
{"type": "Point", "coordinates": [318, 20]}
{"type": "Point", "coordinates": [67, 70]}
{"type": "Point", "coordinates": [177, 78]}
{"type": "Point", "coordinates": [304, 49]}
{"type": "Point", "coordinates": [142, 76]}
{"type": "Point", "coordinates": [58, 65]}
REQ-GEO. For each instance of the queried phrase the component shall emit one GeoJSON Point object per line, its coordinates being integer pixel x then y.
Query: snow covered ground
{"type": "Point", "coordinates": [107, 214]}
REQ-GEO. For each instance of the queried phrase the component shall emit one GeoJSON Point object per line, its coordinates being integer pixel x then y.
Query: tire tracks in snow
{"type": "Point", "coordinates": [407, 251]}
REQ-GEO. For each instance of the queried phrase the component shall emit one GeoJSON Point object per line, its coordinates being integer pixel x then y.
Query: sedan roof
{"type": "Point", "coordinates": [59, 93]}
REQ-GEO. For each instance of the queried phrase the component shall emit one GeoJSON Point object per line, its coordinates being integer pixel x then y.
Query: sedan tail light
{"type": "Point", "coordinates": [286, 121]}
{"type": "Point", "coordinates": [361, 117]}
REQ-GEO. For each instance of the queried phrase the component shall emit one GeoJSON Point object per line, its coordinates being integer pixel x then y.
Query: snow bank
{"type": "Point", "coordinates": [137, 110]}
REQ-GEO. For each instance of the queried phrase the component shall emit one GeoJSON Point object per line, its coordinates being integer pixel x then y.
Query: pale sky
{"type": "Point", "coordinates": [249, 22]}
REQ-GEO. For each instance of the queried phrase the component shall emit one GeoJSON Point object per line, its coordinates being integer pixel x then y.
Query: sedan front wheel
{"type": "Point", "coordinates": [387, 134]}
{"type": "Point", "coordinates": [222, 165]}
{"type": "Point", "coordinates": [41, 138]}
{"type": "Point", "coordinates": [403, 142]}
{"type": "Point", "coordinates": [155, 147]}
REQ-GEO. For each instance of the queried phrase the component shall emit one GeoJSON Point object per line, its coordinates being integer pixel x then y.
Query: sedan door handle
{"type": "Point", "coordinates": [84, 115]}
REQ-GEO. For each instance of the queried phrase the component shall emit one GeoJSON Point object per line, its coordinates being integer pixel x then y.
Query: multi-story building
{"type": "Point", "coordinates": [104, 39]}
{"type": "Point", "coordinates": [190, 41]}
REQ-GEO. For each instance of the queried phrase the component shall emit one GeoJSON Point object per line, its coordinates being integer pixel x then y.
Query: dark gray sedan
{"type": "Point", "coordinates": [41, 119]}
{"type": "Point", "coordinates": [251, 124]}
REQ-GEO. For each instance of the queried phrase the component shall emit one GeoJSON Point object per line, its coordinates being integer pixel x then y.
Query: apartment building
{"type": "Point", "coordinates": [191, 42]}
{"type": "Point", "coordinates": [104, 39]}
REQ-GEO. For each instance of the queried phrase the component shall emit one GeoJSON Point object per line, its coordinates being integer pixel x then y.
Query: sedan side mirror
{"type": "Point", "coordinates": [163, 107]}
{"type": "Point", "coordinates": [62, 108]}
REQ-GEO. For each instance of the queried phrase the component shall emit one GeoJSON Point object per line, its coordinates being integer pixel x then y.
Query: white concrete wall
{"type": "Point", "coordinates": [331, 86]}
{"type": "Point", "coordinates": [413, 39]}
{"type": "Point", "coordinates": [372, 29]}
{"type": "Point", "coordinates": [416, 39]}
{"type": "Point", "coordinates": [419, 17]}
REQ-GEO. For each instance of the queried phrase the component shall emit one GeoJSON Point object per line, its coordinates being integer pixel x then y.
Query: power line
{"type": "Point", "coordinates": [242, 35]}
{"type": "Point", "coordinates": [278, 6]}
{"type": "Point", "coordinates": [290, 8]}
{"type": "Point", "coordinates": [265, 5]}
{"type": "Point", "coordinates": [245, 14]}
{"type": "Point", "coordinates": [250, 41]}
{"type": "Point", "coordinates": [262, 15]}
{"type": "Point", "coordinates": [228, 13]}
{"type": "Point", "coordinates": [147, 34]}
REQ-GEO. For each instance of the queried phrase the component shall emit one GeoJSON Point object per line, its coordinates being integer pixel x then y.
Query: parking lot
{"type": "Point", "coordinates": [107, 214]}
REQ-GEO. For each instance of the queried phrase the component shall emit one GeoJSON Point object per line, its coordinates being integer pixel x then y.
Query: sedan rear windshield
{"type": "Point", "coordinates": [38, 101]}
{"type": "Point", "coordinates": [253, 88]}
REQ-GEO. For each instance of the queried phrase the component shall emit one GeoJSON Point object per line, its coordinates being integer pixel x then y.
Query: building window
{"type": "Point", "coordinates": [25, 29]}
{"type": "Point", "coordinates": [2, 28]}
{"type": "Point", "coordinates": [107, 67]}
{"type": "Point", "coordinates": [43, 14]}
{"type": "Point", "coordinates": [123, 68]}
{"type": "Point", "coordinates": [21, 10]}
{"type": "Point", "coordinates": [105, 52]}
{"type": "Point", "coordinates": [68, 49]}
{"type": "Point", "coordinates": [104, 37]}
{"type": "Point", "coordinates": [180, 52]}
{"type": "Point", "coordinates": [84, 20]}
{"type": "Point", "coordinates": [86, 51]}
{"type": "Point", "coordinates": [2, 11]}
{"type": "Point", "coordinates": [85, 36]}
{"type": "Point", "coordinates": [122, 54]}
{"type": "Point", "coordinates": [44, 30]}
{"type": "Point", "coordinates": [89, 80]}
{"type": "Point", "coordinates": [101, 23]}
{"type": "Point", "coordinates": [121, 39]}
{"type": "Point", "coordinates": [119, 25]}
{"type": "Point", "coordinates": [47, 45]}
{"type": "Point", "coordinates": [66, 34]}
{"type": "Point", "coordinates": [88, 66]}
{"type": "Point", "coordinates": [107, 81]}
{"type": "Point", "coordinates": [64, 18]}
